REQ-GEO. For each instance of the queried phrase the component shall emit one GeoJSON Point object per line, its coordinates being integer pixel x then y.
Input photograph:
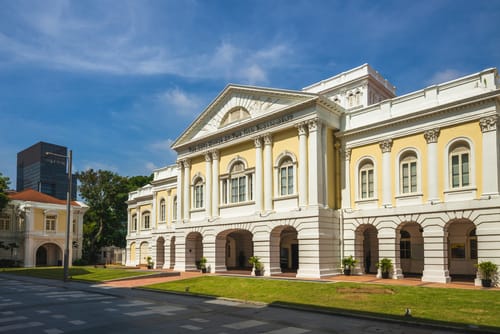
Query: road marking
{"type": "Point", "coordinates": [199, 320]}
{"type": "Point", "coordinates": [110, 309]}
{"type": "Point", "coordinates": [19, 326]}
{"type": "Point", "coordinates": [7, 313]}
{"type": "Point", "coordinates": [77, 322]}
{"type": "Point", "coordinates": [53, 331]}
{"type": "Point", "coordinates": [139, 313]}
{"type": "Point", "coordinates": [12, 319]}
{"type": "Point", "coordinates": [289, 330]}
{"type": "Point", "coordinates": [245, 324]}
{"type": "Point", "coordinates": [10, 304]}
{"type": "Point", "coordinates": [135, 303]}
{"type": "Point", "coordinates": [58, 316]}
{"type": "Point", "coordinates": [191, 328]}
{"type": "Point", "coordinates": [43, 311]}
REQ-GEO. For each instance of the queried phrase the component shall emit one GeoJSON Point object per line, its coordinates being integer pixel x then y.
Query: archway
{"type": "Point", "coordinates": [160, 252]}
{"type": "Point", "coordinates": [284, 249]}
{"type": "Point", "coordinates": [462, 249]}
{"type": "Point", "coordinates": [172, 253]}
{"type": "Point", "coordinates": [48, 254]}
{"type": "Point", "coordinates": [411, 248]}
{"type": "Point", "coordinates": [233, 249]}
{"type": "Point", "coordinates": [194, 250]}
{"type": "Point", "coordinates": [143, 253]}
{"type": "Point", "coordinates": [366, 248]}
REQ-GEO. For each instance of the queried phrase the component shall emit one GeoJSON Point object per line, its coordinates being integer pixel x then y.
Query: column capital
{"type": "Point", "coordinates": [258, 142]}
{"type": "Point", "coordinates": [386, 145]}
{"type": "Point", "coordinates": [268, 139]}
{"type": "Point", "coordinates": [208, 157]}
{"type": "Point", "coordinates": [313, 124]}
{"type": "Point", "coordinates": [180, 165]}
{"type": "Point", "coordinates": [186, 163]}
{"type": "Point", "coordinates": [347, 154]}
{"type": "Point", "coordinates": [431, 136]}
{"type": "Point", "coordinates": [302, 128]}
{"type": "Point", "coordinates": [215, 155]}
{"type": "Point", "coordinates": [488, 123]}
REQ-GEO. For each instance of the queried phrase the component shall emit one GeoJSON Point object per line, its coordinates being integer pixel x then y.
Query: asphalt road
{"type": "Point", "coordinates": [30, 305]}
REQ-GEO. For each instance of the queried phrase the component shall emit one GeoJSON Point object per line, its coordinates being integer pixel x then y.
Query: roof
{"type": "Point", "coordinates": [35, 196]}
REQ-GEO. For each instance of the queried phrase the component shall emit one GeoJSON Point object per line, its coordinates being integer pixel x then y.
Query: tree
{"type": "Point", "coordinates": [105, 223]}
{"type": "Point", "coordinates": [4, 186]}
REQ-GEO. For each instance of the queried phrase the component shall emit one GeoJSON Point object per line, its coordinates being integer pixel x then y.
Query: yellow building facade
{"type": "Point", "coordinates": [302, 179]}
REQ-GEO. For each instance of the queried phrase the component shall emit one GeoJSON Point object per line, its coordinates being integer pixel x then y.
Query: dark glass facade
{"type": "Point", "coordinates": [44, 172]}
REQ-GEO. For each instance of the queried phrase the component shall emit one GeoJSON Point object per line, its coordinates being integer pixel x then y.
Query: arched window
{"type": "Point", "coordinates": [234, 115]}
{"type": "Point", "coordinates": [366, 180]}
{"type": "Point", "coordinates": [459, 162]}
{"type": "Point", "coordinates": [408, 173]}
{"type": "Point", "coordinates": [174, 208]}
{"type": "Point", "coordinates": [198, 193]}
{"type": "Point", "coordinates": [238, 185]}
{"type": "Point", "coordinates": [134, 223]}
{"type": "Point", "coordinates": [286, 177]}
{"type": "Point", "coordinates": [473, 244]}
{"type": "Point", "coordinates": [146, 224]}
{"type": "Point", "coordinates": [405, 245]}
{"type": "Point", "coordinates": [162, 210]}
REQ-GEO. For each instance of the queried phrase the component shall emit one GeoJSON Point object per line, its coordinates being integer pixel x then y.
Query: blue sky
{"type": "Point", "coordinates": [118, 81]}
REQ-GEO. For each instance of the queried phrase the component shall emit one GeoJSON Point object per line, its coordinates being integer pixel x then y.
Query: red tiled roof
{"type": "Point", "coordinates": [35, 196]}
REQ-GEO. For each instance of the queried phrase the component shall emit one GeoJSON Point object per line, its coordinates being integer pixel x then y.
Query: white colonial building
{"type": "Point", "coordinates": [34, 224]}
{"type": "Point", "coordinates": [344, 167]}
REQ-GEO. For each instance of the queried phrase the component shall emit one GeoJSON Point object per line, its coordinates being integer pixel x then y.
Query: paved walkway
{"type": "Point", "coordinates": [169, 275]}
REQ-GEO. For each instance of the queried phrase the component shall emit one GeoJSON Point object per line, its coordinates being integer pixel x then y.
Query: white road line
{"type": "Point", "coordinates": [77, 322]}
{"type": "Point", "coordinates": [245, 324]}
{"type": "Point", "coordinates": [191, 328]}
{"type": "Point", "coordinates": [53, 331]}
{"type": "Point", "coordinates": [289, 330]}
{"type": "Point", "coordinates": [19, 326]}
{"type": "Point", "coordinates": [10, 304]}
{"type": "Point", "coordinates": [139, 313]}
{"type": "Point", "coordinates": [12, 319]}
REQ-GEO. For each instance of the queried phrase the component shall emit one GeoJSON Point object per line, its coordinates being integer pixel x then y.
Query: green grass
{"type": "Point", "coordinates": [86, 273]}
{"type": "Point", "coordinates": [457, 306]}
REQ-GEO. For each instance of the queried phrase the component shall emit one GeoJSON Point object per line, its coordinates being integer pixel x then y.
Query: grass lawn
{"type": "Point", "coordinates": [86, 273]}
{"type": "Point", "coordinates": [456, 306]}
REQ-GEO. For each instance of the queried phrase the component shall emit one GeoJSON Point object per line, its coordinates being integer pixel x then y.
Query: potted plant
{"type": "Point", "coordinates": [256, 264]}
{"type": "Point", "coordinates": [203, 264]}
{"type": "Point", "coordinates": [488, 272]}
{"type": "Point", "coordinates": [385, 266]}
{"type": "Point", "coordinates": [150, 262]}
{"type": "Point", "coordinates": [348, 263]}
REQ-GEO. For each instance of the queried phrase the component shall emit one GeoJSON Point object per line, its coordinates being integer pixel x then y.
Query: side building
{"type": "Point", "coordinates": [343, 167]}
{"type": "Point", "coordinates": [33, 226]}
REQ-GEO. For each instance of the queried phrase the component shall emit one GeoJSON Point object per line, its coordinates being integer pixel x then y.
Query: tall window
{"type": "Point", "coordinates": [366, 181]}
{"type": "Point", "coordinates": [460, 166]}
{"type": "Point", "coordinates": [405, 245]}
{"type": "Point", "coordinates": [162, 210]}
{"type": "Point", "coordinates": [50, 223]}
{"type": "Point", "coordinates": [146, 220]}
{"type": "Point", "coordinates": [198, 194]}
{"type": "Point", "coordinates": [286, 177]}
{"type": "Point", "coordinates": [134, 223]}
{"type": "Point", "coordinates": [408, 174]}
{"type": "Point", "coordinates": [4, 222]}
{"type": "Point", "coordinates": [238, 187]}
{"type": "Point", "coordinates": [473, 244]}
{"type": "Point", "coordinates": [174, 209]}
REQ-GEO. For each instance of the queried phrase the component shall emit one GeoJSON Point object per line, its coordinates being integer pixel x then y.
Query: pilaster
{"type": "Point", "coordinates": [386, 146]}
{"type": "Point", "coordinates": [431, 136]}
{"type": "Point", "coordinates": [490, 154]}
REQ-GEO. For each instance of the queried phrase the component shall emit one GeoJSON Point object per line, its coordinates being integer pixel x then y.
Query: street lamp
{"type": "Point", "coordinates": [68, 209]}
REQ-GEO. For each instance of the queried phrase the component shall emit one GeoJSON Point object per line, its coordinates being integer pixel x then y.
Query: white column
{"type": "Point", "coordinates": [388, 248]}
{"type": "Point", "coordinates": [258, 175]}
{"type": "Point", "coordinates": [153, 222]}
{"type": "Point", "coordinates": [386, 146]}
{"type": "Point", "coordinates": [186, 198]}
{"type": "Point", "coordinates": [431, 136]}
{"type": "Point", "coordinates": [180, 177]}
{"type": "Point", "coordinates": [490, 157]}
{"type": "Point", "coordinates": [215, 183]}
{"type": "Point", "coordinates": [313, 162]}
{"type": "Point", "coordinates": [346, 172]}
{"type": "Point", "coordinates": [208, 185]}
{"type": "Point", "coordinates": [303, 191]}
{"type": "Point", "coordinates": [435, 253]}
{"type": "Point", "coordinates": [268, 173]}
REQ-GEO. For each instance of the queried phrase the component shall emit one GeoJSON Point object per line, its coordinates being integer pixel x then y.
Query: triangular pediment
{"type": "Point", "coordinates": [256, 103]}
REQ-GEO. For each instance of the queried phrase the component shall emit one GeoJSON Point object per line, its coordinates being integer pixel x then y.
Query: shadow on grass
{"type": "Point", "coordinates": [50, 273]}
{"type": "Point", "coordinates": [407, 319]}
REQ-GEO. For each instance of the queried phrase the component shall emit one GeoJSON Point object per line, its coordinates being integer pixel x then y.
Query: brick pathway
{"type": "Point", "coordinates": [169, 275]}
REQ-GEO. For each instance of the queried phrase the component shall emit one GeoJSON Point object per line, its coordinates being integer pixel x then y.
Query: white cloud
{"type": "Point", "coordinates": [254, 74]}
{"type": "Point", "coordinates": [443, 76]}
{"type": "Point", "coordinates": [150, 166]}
{"type": "Point", "coordinates": [182, 103]}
